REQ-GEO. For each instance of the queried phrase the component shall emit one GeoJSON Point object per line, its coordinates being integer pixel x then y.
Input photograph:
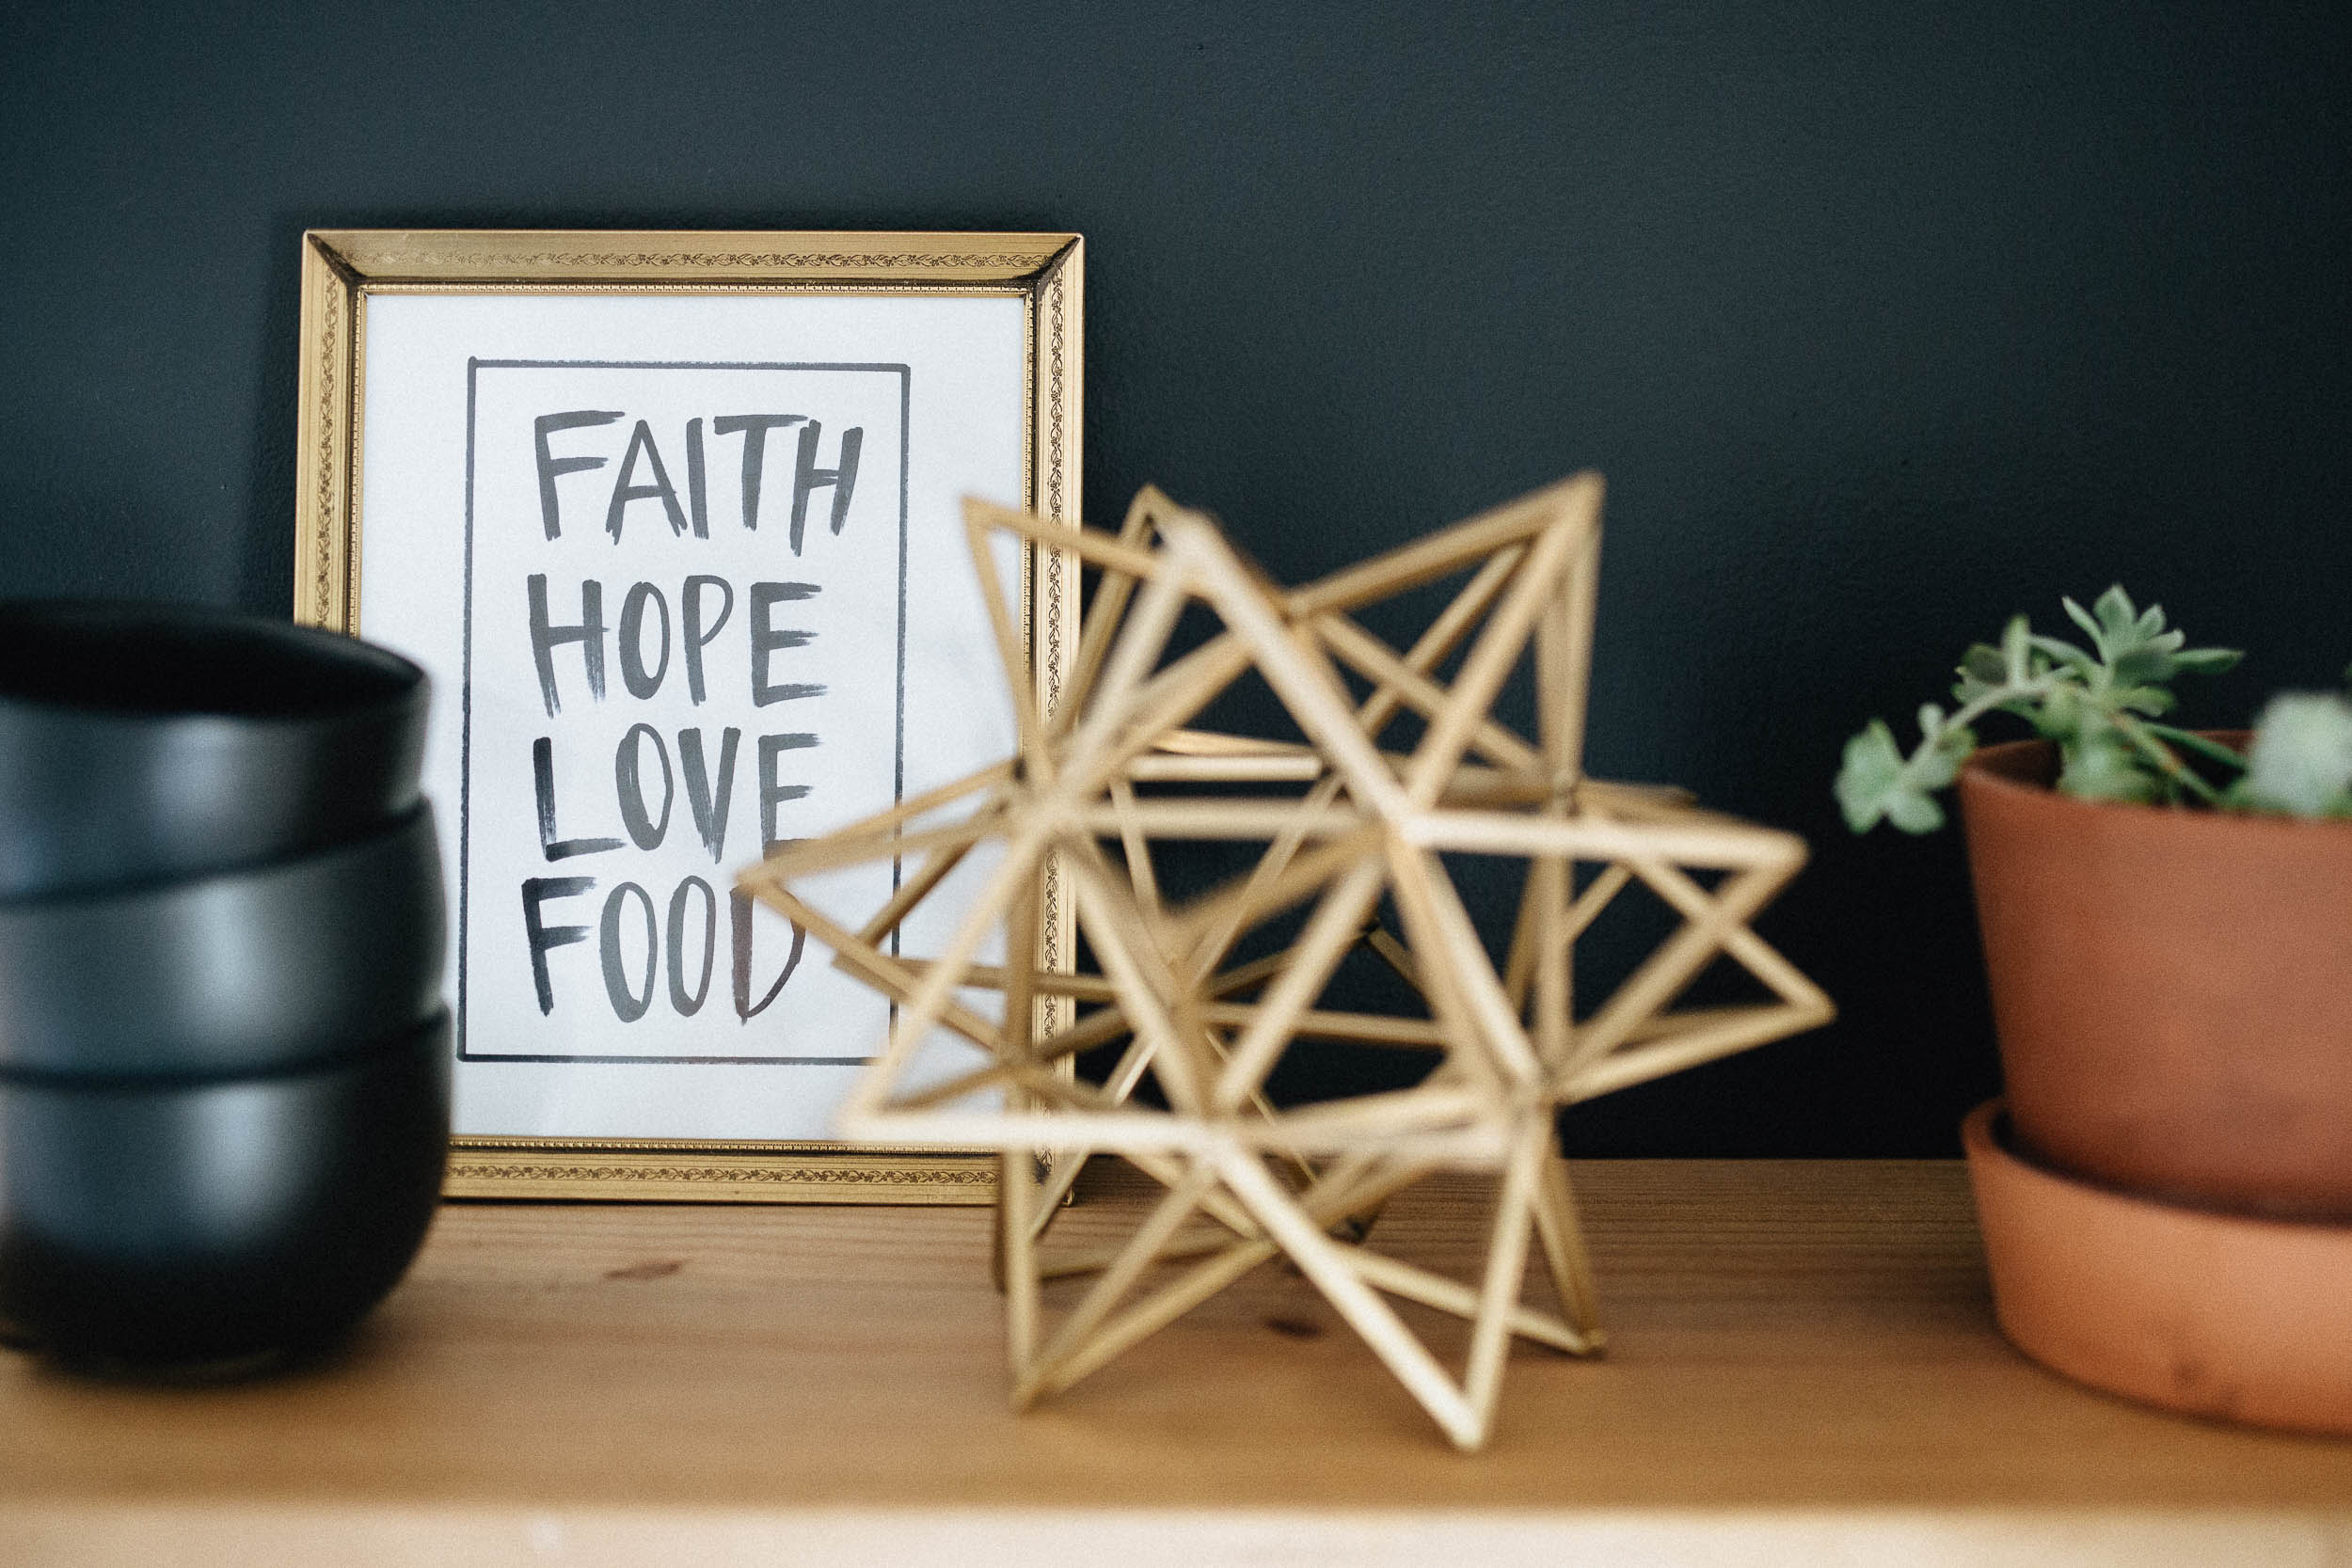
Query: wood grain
{"type": "Point", "coordinates": [1797, 1348]}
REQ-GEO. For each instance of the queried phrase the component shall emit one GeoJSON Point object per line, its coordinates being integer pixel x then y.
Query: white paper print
{"type": "Point", "coordinates": [691, 577]}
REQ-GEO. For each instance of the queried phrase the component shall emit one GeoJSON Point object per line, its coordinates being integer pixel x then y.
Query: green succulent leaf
{"type": "Point", "coordinates": [2148, 664]}
{"type": "Point", "coordinates": [2119, 620]}
{"type": "Point", "coordinates": [2133, 646]}
{"type": "Point", "coordinates": [1873, 773]}
{"type": "Point", "coordinates": [2060, 715]}
{"type": "Point", "coordinates": [2208, 662]}
{"type": "Point", "coordinates": [1981, 670]}
{"type": "Point", "coordinates": [1879, 782]}
{"type": "Point", "coordinates": [1937, 764]}
{"type": "Point", "coordinates": [2301, 759]}
{"type": "Point", "coordinates": [1913, 811]}
{"type": "Point", "coordinates": [2101, 764]}
{"type": "Point", "coordinates": [2065, 655]}
{"type": "Point", "coordinates": [2017, 651]}
{"type": "Point", "coordinates": [2208, 750]}
{"type": "Point", "coordinates": [2097, 703]}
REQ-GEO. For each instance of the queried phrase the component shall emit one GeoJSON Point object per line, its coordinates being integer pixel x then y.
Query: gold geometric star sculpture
{"type": "Point", "coordinates": [1346, 831]}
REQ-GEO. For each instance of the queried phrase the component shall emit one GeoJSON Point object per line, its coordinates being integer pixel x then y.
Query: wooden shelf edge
{"type": "Point", "coordinates": [195, 1536]}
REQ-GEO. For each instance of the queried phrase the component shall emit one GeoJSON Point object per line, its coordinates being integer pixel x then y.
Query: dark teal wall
{"type": "Point", "coordinates": [1883, 321]}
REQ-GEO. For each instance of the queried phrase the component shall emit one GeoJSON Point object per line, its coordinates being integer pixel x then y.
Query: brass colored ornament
{"type": "Point", "coordinates": [1346, 829]}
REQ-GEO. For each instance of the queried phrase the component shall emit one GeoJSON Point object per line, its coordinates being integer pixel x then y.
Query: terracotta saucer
{"type": "Point", "coordinates": [2219, 1315]}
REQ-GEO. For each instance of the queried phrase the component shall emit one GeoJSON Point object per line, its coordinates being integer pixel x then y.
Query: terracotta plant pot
{"type": "Point", "coordinates": [2221, 1315]}
{"type": "Point", "coordinates": [2172, 990]}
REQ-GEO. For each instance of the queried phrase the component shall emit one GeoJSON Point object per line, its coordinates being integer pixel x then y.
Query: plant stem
{"type": "Point", "coordinates": [2165, 758]}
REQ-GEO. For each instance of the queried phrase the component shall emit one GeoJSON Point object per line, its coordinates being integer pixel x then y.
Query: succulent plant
{"type": "Point", "coordinates": [2301, 759]}
{"type": "Point", "coordinates": [2103, 705]}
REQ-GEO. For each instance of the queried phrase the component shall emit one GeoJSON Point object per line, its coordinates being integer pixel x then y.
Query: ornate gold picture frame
{"type": "Point", "coordinates": [901, 366]}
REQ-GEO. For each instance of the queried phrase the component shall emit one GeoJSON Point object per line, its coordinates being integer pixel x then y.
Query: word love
{"type": "Point", "coordinates": [709, 794]}
{"type": "Point", "coordinates": [643, 476]}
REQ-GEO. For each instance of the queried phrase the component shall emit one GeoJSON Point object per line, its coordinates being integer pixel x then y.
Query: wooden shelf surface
{"type": "Point", "coordinates": [1803, 1368]}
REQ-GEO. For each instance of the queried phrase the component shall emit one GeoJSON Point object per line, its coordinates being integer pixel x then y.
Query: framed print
{"type": "Point", "coordinates": [674, 522]}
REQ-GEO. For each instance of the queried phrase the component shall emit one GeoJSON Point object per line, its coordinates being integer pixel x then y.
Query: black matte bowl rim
{"type": "Point", "coordinates": [346, 1058]}
{"type": "Point", "coordinates": [342, 946]}
{"type": "Point", "coordinates": [123, 896]}
{"type": "Point", "coordinates": [157, 663]}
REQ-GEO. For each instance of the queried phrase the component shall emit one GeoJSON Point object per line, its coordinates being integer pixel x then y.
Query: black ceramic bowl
{"type": "Point", "coordinates": [144, 742]}
{"type": "Point", "coordinates": [150, 1225]}
{"type": "Point", "coordinates": [252, 970]}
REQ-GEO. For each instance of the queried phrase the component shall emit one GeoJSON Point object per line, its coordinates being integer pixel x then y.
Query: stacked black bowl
{"type": "Point", "coordinates": [224, 1060]}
